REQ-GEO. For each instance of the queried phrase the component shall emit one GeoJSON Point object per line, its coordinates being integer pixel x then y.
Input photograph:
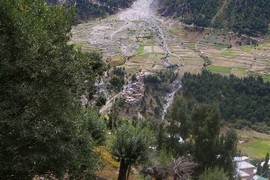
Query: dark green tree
{"type": "Point", "coordinates": [265, 167]}
{"type": "Point", "coordinates": [41, 79]}
{"type": "Point", "coordinates": [180, 119]}
{"type": "Point", "coordinates": [259, 169]}
{"type": "Point", "coordinates": [130, 145]}
{"type": "Point", "coordinates": [214, 174]}
{"type": "Point", "coordinates": [205, 131]}
{"type": "Point", "coordinates": [228, 150]}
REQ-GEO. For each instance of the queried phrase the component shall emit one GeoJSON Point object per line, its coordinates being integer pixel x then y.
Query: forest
{"type": "Point", "coordinates": [242, 101]}
{"type": "Point", "coordinates": [246, 17]}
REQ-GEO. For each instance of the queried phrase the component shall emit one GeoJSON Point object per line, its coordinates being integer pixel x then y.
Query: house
{"type": "Point", "coordinates": [259, 178]}
{"type": "Point", "coordinates": [244, 169]}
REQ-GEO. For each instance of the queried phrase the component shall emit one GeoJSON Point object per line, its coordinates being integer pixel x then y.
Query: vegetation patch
{"type": "Point", "coordinates": [116, 61]}
{"type": "Point", "coordinates": [219, 69]}
{"type": "Point", "coordinates": [106, 157]}
{"type": "Point", "coordinates": [255, 147]}
{"type": "Point", "coordinates": [246, 98]}
{"type": "Point", "coordinates": [78, 46]}
{"type": "Point", "coordinates": [247, 48]}
{"type": "Point", "coordinates": [228, 53]}
{"type": "Point", "coordinates": [220, 46]}
{"type": "Point", "coordinates": [266, 78]}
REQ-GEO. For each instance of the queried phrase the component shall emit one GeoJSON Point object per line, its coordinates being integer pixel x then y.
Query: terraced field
{"type": "Point", "coordinates": [143, 42]}
{"type": "Point", "coordinates": [139, 40]}
{"type": "Point", "coordinates": [253, 144]}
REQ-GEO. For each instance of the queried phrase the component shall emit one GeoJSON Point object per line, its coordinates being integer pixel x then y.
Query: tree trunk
{"type": "Point", "coordinates": [123, 170]}
{"type": "Point", "coordinates": [129, 168]}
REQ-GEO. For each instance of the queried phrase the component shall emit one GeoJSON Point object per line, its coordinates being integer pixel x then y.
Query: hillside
{"type": "Point", "coordinates": [86, 9]}
{"type": "Point", "coordinates": [244, 16]}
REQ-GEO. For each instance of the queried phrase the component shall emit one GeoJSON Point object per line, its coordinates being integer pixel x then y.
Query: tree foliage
{"type": "Point", "coordinates": [130, 145]}
{"type": "Point", "coordinates": [249, 16]}
{"type": "Point", "coordinates": [265, 167]}
{"type": "Point", "coordinates": [214, 174]}
{"type": "Point", "coordinates": [202, 139]}
{"type": "Point", "coordinates": [41, 78]}
{"type": "Point", "coordinates": [247, 98]}
{"type": "Point", "coordinates": [205, 132]}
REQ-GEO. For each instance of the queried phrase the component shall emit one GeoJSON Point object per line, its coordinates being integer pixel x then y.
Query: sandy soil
{"type": "Point", "coordinates": [140, 10]}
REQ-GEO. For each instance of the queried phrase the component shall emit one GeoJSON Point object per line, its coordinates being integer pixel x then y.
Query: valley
{"type": "Point", "coordinates": [123, 89]}
{"type": "Point", "coordinates": [142, 42]}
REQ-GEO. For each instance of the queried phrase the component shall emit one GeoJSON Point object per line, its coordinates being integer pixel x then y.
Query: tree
{"type": "Point", "coordinates": [227, 151]}
{"type": "Point", "coordinates": [205, 131]}
{"type": "Point", "coordinates": [213, 174]}
{"type": "Point", "coordinates": [179, 115]}
{"type": "Point", "coordinates": [265, 167]}
{"type": "Point", "coordinates": [41, 78]}
{"type": "Point", "coordinates": [259, 169]}
{"type": "Point", "coordinates": [130, 145]}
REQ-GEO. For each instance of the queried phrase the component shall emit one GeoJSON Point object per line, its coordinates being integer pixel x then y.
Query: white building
{"type": "Point", "coordinates": [244, 169]}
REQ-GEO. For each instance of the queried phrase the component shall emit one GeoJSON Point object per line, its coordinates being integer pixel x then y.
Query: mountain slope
{"type": "Point", "coordinates": [86, 9]}
{"type": "Point", "coordinates": [243, 16]}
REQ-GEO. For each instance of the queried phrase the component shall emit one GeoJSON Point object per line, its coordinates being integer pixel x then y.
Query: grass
{"type": "Point", "coordinates": [254, 144]}
{"type": "Point", "coordinates": [262, 46]}
{"type": "Point", "coordinates": [240, 72]}
{"type": "Point", "coordinates": [106, 157]}
{"type": "Point", "coordinates": [191, 46]}
{"type": "Point", "coordinates": [219, 69]}
{"type": "Point", "coordinates": [78, 46]}
{"type": "Point", "coordinates": [220, 46]}
{"type": "Point", "coordinates": [247, 48]}
{"type": "Point", "coordinates": [174, 31]}
{"type": "Point", "coordinates": [255, 148]}
{"type": "Point", "coordinates": [266, 78]}
{"type": "Point", "coordinates": [140, 49]}
{"type": "Point", "coordinates": [118, 60]}
{"type": "Point", "coordinates": [228, 53]}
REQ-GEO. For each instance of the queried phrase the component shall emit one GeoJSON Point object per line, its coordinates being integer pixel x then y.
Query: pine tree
{"type": "Point", "coordinates": [259, 169]}
{"type": "Point", "coordinates": [205, 131]}
{"type": "Point", "coordinates": [265, 167]}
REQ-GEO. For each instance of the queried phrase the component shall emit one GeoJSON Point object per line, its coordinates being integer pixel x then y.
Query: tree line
{"type": "Point", "coordinates": [246, 17]}
{"type": "Point", "coordinates": [243, 101]}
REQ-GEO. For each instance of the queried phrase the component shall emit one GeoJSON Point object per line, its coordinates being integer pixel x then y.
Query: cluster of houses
{"type": "Point", "coordinates": [134, 91]}
{"type": "Point", "coordinates": [245, 170]}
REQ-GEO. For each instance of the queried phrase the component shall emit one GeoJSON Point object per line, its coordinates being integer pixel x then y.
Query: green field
{"type": "Point", "coordinates": [266, 78]}
{"type": "Point", "coordinates": [253, 144]}
{"type": "Point", "coordinates": [220, 46]}
{"type": "Point", "coordinates": [140, 49]}
{"type": "Point", "coordinates": [247, 48]}
{"type": "Point", "coordinates": [255, 148]}
{"type": "Point", "coordinates": [229, 54]}
{"type": "Point", "coordinates": [219, 69]}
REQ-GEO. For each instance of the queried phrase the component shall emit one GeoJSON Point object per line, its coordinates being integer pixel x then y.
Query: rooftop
{"type": "Point", "coordinates": [244, 165]}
